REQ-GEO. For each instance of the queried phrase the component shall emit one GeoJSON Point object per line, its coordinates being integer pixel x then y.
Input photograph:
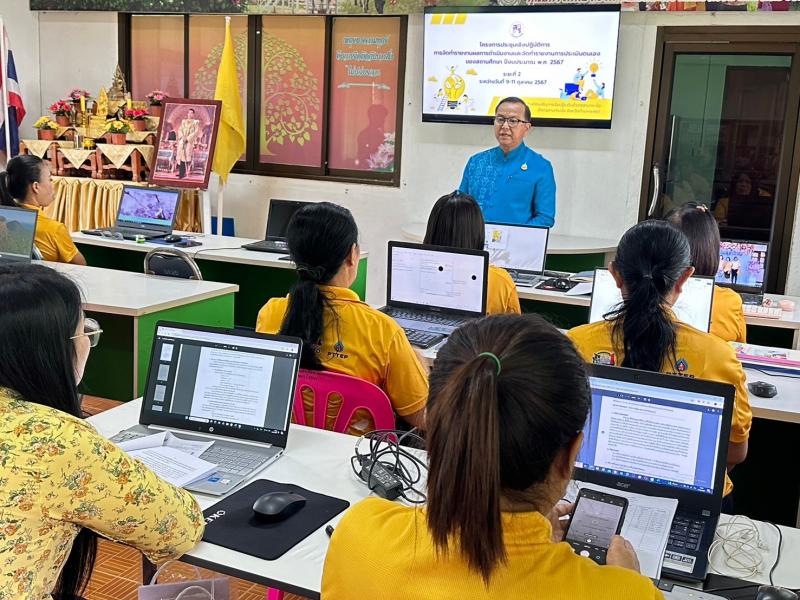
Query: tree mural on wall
{"type": "Point", "coordinates": [289, 100]}
{"type": "Point", "coordinates": [205, 79]}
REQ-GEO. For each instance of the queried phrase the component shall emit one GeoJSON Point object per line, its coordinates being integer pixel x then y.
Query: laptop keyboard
{"type": "Point", "coordinates": [424, 317]}
{"type": "Point", "coordinates": [126, 436]}
{"type": "Point", "coordinates": [526, 280]}
{"type": "Point", "coordinates": [233, 460]}
{"type": "Point", "coordinates": [423, 339]}
{"type": "Point", "coordinates": [686, 534]}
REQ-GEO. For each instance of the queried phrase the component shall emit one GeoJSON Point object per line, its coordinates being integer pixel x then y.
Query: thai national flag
{"type": "Point", "coordinates": [9, 87]}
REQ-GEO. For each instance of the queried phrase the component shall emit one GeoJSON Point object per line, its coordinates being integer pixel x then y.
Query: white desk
{"type": "Point", "coordinates": [320, 461]}
{"type": "Point", "coordinates": [785, 406]}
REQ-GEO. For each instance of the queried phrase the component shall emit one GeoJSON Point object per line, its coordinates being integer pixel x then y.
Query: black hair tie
{"type": "Point", "coordinates": [314, 274]}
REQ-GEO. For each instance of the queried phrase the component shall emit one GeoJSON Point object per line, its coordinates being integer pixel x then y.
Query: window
{"type": "Point", "coordinates": [322, 96]}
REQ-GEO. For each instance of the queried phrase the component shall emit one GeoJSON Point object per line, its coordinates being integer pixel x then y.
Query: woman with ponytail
{"type": "Point", "coordinates": [340, 332]}
{"type": "Point", "coordinates": [26, 182]}
{"type": "Point", "coordinates": [508, 402]}
{"type": "Point", "coordinates": [653, 262]}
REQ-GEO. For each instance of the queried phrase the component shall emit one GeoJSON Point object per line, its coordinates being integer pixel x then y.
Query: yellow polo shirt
{"type": "Point", "coordinates": [384, 550]}
{"type": "Point", "coordinates": [727, 315]}
{"type": "Point", "coordinates": [501, 293]}
{"type": "Point", "coordinates": [698, 354]}
{"type": "Point", "coordinates": [53, 239]}
{"type": "Point", "coordinates": [365, 343]}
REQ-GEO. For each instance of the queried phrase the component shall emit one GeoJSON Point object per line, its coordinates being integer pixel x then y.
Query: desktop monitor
{"type": "Point", "coordinates": [17, 232]}
{"type": "Point", "coordinates": [742, 265]}
{"type": "Point", "coordinates": [521, 248]}
{"type": "Point", "coordinates": [437, 277]}
{"type": "Point", "coordinates": [280, 213]}
{"type": "Point", "coordinates": [693, 306]}
{"type": "Point", "coordinates": [148, 208]}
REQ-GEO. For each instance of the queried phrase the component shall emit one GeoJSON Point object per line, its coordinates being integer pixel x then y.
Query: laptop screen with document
{"type": "Point", "coordinates": [227, 382]}
{"type": "Point", "coordinates": [517, 247]}
{"type": "Point", "coordinates": [437, 277]}
{"type": "Point", "coordinates": [146, 207]}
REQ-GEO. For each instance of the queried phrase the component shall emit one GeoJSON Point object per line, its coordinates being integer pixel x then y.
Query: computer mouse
{"type": "Point", "coordinates": [188, 244]}
{"type": "Point", "coordinates": [771, 592]}
{"type": "Point", "coordinates": [561, 283]}
{"type": "Point", "coordinates": [172, 238]}
{"type": "Point", "coordinates": [762, 389]}
{"type": "Point", "coordinates": [277, 506]}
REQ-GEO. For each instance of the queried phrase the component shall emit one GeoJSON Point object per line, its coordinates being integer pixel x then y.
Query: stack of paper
{"type": "Point", "coordinates": [172, 458]}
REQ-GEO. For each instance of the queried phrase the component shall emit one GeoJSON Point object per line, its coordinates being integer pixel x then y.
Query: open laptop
{"type": "Point", "coordinates": [17, 232]}
{"type": "Point", "coordinates": [693, 306]}
{"type": "Point", "coordinates": [431, 290]}
{"type": "Point", "coordinates": [278, 217]}
{"type": "Point", "coordinates": [231, 386]}
{"type": "Point", "coordinates": [519, 249]}
{"type": "Point", "coordinates": [749, 277]}
{"type": "Point", "coordinates": [662, 435]}
{"type": "Point", "coordinates": [144, 211]}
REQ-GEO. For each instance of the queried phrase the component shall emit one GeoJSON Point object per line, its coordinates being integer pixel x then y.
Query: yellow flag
{"type": "Point", "coordinates": [231, 136]}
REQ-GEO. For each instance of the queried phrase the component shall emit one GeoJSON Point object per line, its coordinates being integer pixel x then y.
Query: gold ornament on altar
{"type": "Point", "coordinates": [118, 89]}
{"type": "Point", "coordinates": [102, 103]}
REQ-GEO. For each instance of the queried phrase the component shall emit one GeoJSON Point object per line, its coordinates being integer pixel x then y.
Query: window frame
{"type": "Point", "coordinates": [252, 165]}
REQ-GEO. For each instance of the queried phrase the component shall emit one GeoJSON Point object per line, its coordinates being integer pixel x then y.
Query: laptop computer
{"type": "Point", "coordinates": [17, 232]}
{"type": "Point", "coordinates": [519, 249]}
{"type": "Point", "coordinates": [693, 306]}
{"type": "Point", "coordinates": [748, 279]}
{"type": "Point", "coordinates": [229, 386]}
{"type": "Point", "coordinates": [278, 217]}
{"type": "Point", "coordinates": [662, 435]}
{"type": "Point", "coordinates": [431, 290]}
{"type": "Point", "coordinates": [144, 211]}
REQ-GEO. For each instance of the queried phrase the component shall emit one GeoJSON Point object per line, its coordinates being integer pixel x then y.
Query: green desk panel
{"type": "Point", "coordinates": [573, 263]}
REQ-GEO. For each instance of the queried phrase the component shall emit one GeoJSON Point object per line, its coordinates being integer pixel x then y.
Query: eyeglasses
{"type": "Point", "coordinates": [512, 122]}
{"type": "Point", "coordinates": [92, 330]}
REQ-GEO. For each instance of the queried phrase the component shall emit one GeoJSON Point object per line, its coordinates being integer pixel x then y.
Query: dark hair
{"type": "Point", "coordinates": [701, 229]}
{"type": "Point", "coordinates": [651, 257]}
{"type": "Point", "coordinates": [495, 430]}
{"type": "Point", "coordinates": [515, 100]}
{"type": "Point", "coordinates": [41, 310]}
{"type": "Point", "coordinates": [21, 172]}
{"type": "Point", "coordinates": [320, 237]}
{"type": "Point", "coordinates": [457, 221]}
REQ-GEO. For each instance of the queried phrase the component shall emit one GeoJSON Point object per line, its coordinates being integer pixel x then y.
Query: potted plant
{"type": "Point", "coordinates": [79, 98]}
{"type": "Point", "coordinates": [46, 128]}
{"type": "Point", "coordinates": [156, 99]}
{"type": "Point", "coordinates": [118, 131]}
{"type": "Point", "coordinates": [138, 118]}
{"type": "Point", "coordinates": [61, 109]}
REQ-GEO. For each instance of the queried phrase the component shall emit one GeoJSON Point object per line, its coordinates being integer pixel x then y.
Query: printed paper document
{"type": "Point", "coordinates": [174, 466]}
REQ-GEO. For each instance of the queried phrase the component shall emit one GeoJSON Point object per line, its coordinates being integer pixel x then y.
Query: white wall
{"type": "Point", "coordinates": [598, 172]}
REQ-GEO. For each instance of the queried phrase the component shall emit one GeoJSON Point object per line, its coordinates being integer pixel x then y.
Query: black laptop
{"type": "Point", "coordinates": [431, 290]}
{"type": "Point", "coordinates": [742, 267]}
{"type": "Point", "coordinates": [667, 436]}
{"type": "Point", "coordinates": [17, 232]}
{"type": "Point", "coordinates": [278, 217]}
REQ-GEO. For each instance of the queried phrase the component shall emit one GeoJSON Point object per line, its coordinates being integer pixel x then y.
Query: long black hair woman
{"type": "Point", "coordinates": [653, 262]}
{"type": "Point", "coordinates": [339, 331]}
{"type": "Point", "coordinates": [26, 182]}
{"type": "Point", "coordinates": [508, 402]}
{"type": "Point", "coordinates": [62, 483]}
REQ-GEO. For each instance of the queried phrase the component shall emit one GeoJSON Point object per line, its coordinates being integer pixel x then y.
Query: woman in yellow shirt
{"type": "Point", "coordinates": [702, 231]}
{"type": "Point", "coordinates": [27, 182]}
{"type": "Point", "coordinates": [456, 220]}
{"type": "Point", "coordinates": [508, 401]}
{"type": "Point", "coordinates": [61, 483]}
{"type": "Point", "coordinates": [652, 265]}
{"type": "Point", "coordinates": [339, 331]}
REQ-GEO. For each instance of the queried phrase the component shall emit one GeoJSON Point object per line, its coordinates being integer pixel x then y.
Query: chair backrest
{"type": "Point", "coordinates": [171, 262]}
{"type": "Point", "coordinates": [356, 393]}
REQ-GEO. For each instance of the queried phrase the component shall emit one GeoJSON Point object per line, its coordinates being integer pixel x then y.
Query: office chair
{"type": "Point", "coordinates": [170, 262]}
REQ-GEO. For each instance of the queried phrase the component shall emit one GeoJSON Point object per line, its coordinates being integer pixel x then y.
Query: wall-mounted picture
{"type": "Point", "coordinates": [187, 136]}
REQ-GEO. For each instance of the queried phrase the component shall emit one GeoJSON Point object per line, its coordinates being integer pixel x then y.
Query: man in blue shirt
{"type": "Point", "coordinates": [512, 183]}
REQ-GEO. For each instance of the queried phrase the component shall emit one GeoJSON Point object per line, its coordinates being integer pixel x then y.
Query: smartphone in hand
{"type": "Point", "coordinates": [596, 518]}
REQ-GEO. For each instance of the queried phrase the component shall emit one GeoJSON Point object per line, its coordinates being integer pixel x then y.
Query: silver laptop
{"type": "Point", "coordinates": [232, 387]}
{"type": "Point", "coordinates": [17, 232]}
{"type": "Point", "coordinates": [519, 249]}
{"type": "Point", "coordinates": [144, 211]}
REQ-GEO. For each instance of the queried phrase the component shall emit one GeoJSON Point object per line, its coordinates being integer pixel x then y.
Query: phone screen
{"type": "Point", "coordinates": [594, 522]}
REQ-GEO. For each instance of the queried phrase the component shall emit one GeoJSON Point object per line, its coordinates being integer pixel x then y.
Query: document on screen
{"type": "Point", "coordinates": [232, 386]}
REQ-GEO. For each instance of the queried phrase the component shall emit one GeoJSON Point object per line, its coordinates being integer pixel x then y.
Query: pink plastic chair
{"type": "Point", "coordinates": [356, 393]}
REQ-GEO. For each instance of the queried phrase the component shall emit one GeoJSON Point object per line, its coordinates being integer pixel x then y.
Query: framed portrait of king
{"type": "Point", "coordinates": [187, 137]}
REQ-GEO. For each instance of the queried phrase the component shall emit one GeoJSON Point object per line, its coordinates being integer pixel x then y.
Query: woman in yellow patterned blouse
{"type": "Point", "coordinates": [61, 483]}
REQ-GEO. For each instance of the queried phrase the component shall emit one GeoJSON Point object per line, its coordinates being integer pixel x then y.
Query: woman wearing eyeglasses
{"type": "Point", "coordinates": [61, 483]}
{"type": "Point", "coordinates": [512, 183]}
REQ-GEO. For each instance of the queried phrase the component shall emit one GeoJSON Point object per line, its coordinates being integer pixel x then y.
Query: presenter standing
{"type": "Point", "coordinates": [511, 182]}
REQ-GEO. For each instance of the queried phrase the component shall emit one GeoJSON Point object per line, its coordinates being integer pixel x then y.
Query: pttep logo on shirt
{"type": "Point", "coordinates": [338, 351]}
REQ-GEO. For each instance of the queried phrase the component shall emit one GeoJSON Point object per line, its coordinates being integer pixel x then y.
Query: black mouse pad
{"type": "Point", "coordinates": [231, 524]}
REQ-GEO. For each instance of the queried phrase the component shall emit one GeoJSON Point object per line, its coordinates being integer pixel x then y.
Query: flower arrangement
{"type": "Point", "coordinates": [136, 114]}
{"type": "Point", "coordinates": [76, 95]}
{"type": "Point", "coordinates": [61, 108]}
{"type": "Point", "coordinates": [156, 97]}
{"type": "Point", "coordinates": [383, 158]}
{"type": "Point", "coordinates": [118, 127]}
{"type": "Point", "coordinates": [45, 122]}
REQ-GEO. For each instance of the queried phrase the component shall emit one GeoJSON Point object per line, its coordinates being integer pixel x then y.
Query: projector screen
{"type": "Point", "coordinates": [560, 60]}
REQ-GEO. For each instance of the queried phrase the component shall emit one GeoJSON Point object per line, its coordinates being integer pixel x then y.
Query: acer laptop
{"type": "Point", "coordinates": [431, 290]}
{"type": "Point", "coordinates": [667, 436]}
{"type": "Point", "coordinates": [229, 386]}
{"type": "Point", "coordinates": [143, 211]}
{"type": "Point", "coordinates": [519, 249]}
{"type": "Point", "coordinates": [17, 232]}
{"type": "Point", "coordinates": [278, 217]}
